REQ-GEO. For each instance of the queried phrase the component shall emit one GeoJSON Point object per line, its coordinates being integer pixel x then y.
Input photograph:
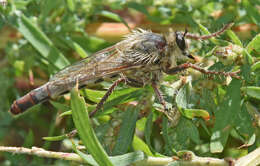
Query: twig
{"type": "Point", "coordinates": [186, 159]}
{"type": "Point", "coordinates": [251, 159]}
{"type": "Point", "coordinates": [42, 153]}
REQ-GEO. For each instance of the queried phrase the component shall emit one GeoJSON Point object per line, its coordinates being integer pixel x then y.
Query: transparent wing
{"type": "Point", "coordinates": [102, 63]}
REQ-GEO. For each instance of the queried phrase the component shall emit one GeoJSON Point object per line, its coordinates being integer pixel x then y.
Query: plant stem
{"type": "Point", "coordinates": [188, 158]}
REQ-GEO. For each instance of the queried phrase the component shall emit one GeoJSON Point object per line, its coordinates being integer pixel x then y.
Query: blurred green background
{"type": "Point", "coordinates": [38, 38]}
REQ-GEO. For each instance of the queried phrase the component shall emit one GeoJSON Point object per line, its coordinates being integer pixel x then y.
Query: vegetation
{"type": "Point", "coordinates": [211, 116]}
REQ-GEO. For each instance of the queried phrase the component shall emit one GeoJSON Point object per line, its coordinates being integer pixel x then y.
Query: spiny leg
{"type": "Point", "coordinates": [159, 95]}
{"type": "Point", "coordinates": [202, 70]}
{"type": "Point", "coordinates": [107, 94]}
{"type": "Point", "coordinates": [215, 34]}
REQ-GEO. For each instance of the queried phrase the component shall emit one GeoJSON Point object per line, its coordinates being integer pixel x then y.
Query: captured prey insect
{"type": "Point", "coordinates": [140, 59]}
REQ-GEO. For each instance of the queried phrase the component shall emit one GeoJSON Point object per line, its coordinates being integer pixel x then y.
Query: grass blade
{"type": "Point", "coordinates": [39, 41]}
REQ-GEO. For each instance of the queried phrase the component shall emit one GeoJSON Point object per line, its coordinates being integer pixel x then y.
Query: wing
{"type": "Point", "coordinates": [108, 61]}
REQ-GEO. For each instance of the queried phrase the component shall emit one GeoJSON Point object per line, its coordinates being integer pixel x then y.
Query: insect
{"type": "Point", "coordinates": [140, 59]}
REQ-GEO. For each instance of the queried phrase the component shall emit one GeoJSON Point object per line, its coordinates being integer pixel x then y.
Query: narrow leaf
{"type": "Point", "coordinates": [39, 41]}
{"type": "Point", "coordinates": [213, 39]}
{"type": "Point", "coordinates": [234, 38]}
{"type": "Point", "coordinates": [127, 130]}
{"type": "Point", "coordinates": [60, 106]}
{"type": "Point", "coordinates": [66, 113]}
{"type": "Point", "coordinates": [254, 45]}
{"type": "Point", "coordinates": [82, 122]}
{"type": "Point", "coordinates": [139, 144]}
{"type": "Point", "coordinates": [76, 47]}
{"type": "Point", "coordinates": [121, 160]}
{"type": "Point", "coordinates": [71, 5]}
{"type": "Point", "coordinates": [148, 130]}
{"type": "Point", "coordinates": [55, 138]}
{"type": "Point", "coordinates": [256, 66]}
{"type": "Point", "coordinates": [252, 91]}
{"type": "Point", "coordinates": [115, 17]}
{"type": "Point", "coordinates": [191, 113]}
{"type": "Point", "coordinates": [165, 134]}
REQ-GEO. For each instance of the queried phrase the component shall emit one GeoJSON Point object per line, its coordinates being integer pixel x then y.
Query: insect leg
{"type": "Point", "coordinates": [108, 93]}
{"type": "Point", "coordinates": [215, 34]}
{"type": "Point", "coordinates": [159, 95]}
{"type": "Point", "coordinates": [202, 70]}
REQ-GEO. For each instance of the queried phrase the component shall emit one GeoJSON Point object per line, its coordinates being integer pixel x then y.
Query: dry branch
{"type": "Point", "coordinates": [188, 158]}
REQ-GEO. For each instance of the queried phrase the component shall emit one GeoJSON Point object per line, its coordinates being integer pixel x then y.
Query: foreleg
{"type": "Point", "coordinates": [202, 70]}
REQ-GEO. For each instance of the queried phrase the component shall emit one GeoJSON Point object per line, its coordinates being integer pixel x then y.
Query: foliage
{"type": "Point", "coordinates": [211, 116]}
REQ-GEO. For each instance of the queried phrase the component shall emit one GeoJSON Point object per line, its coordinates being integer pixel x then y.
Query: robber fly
{"type": "Point", "coordinates": [140, 59]}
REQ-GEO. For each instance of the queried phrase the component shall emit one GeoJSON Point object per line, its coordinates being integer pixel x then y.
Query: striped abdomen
{"type": "Point", "coordinates": [30, 99]}
{"type": "Point", "coordinates": [47, 91]}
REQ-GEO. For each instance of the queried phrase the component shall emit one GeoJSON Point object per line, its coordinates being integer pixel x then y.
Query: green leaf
{"type": "Point", "coordinates": [182, 97]}
{"type": "Point", "coordinates": [256, 66]}
{"type": "Point", "coordinates": [252, 11]}
{"type": "Point", "coordinates": [128, 158]}
{"type": "Point", "coordinates": [246, 72]}
{"type": "Point", "coordinates": [29, 140]}
{"type": "Point", "coordinates": [139, 7]}
{"type": "Point", "coordinates": [94, 95]}
{"type": "Point", "coordinates": [60, 106]}
{"type": "Point", "coordinates": [82, 122]}
{"type": "Point", "coordinates": [243, 123]}
{"type": "Point", "coordinates": [39, 41]}
{"type": "Point", "coordinates": [229, 109]}
{"type": "Point", "coordinates": [48, 6]}
{"type": "Point", "coordinates": [115, 17]}
{"type": "Point", "coordinates": [254, 45]}
{"type": "Point", "coordinates": [66, 113]}
{"type": "Point", "coordinates": [139, 144]}
{"type": "Point", "coordinates": [127, 130]}
{"type": "Point", "coordinates": [234, 38]}
{"type": "Point", "coordinates": [191, 113]}
{"type": "Point", "coordinates": [165, 135]}
{"type": "Point", "coordinates": [252, 91]}
{"type": "Point", "coordinates": [75, 46]}
{"type": "Point", "coordinates": [148, 130]}
{"type": "Point", "coordinates": [218, 140]}
{"type": "Point", "coordinates": [213, 39]}
{"type": "Point", "coordinates": [120, 160]}
{"type": "Point", "coordinates": [192, 131]}
{"type": "Point", "coordinates": [181, 136]}
{"type": "Point", "coordinates": [120, 99]}
{"type": "Point", "coordinates": [71, 5]}
{"type": "Point", "coordinates": [55, 138]}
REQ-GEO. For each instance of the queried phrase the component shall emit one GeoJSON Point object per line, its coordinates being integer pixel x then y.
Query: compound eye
{"type": "Point", "coordinates": [180, 40]}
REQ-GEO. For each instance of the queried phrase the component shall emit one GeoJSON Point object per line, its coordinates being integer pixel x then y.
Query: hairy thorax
{"type": "Point", "coordinates": [153, 52]}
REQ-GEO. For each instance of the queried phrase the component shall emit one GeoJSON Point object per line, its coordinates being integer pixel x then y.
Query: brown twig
{"type": "Point", "coordinates": [251, 159]}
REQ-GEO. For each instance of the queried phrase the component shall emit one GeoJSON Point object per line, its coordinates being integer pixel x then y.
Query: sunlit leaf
{"type": "Point", "coordinates": [254, 45]}
{"type": "Point", "coordinates": [139, 144]}
{"type": "Point", "coordinates": [39, 41]}
{"type": "Point", "coordinates": [252, 91]}
{"type": "Point", "coordinates": [85, 130]}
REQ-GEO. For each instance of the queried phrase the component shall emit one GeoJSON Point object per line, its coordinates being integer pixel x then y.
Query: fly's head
{"type": "Point", "coordinates": [177, 46]}
{"type": "Point", "coordinates": [181, 43]}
